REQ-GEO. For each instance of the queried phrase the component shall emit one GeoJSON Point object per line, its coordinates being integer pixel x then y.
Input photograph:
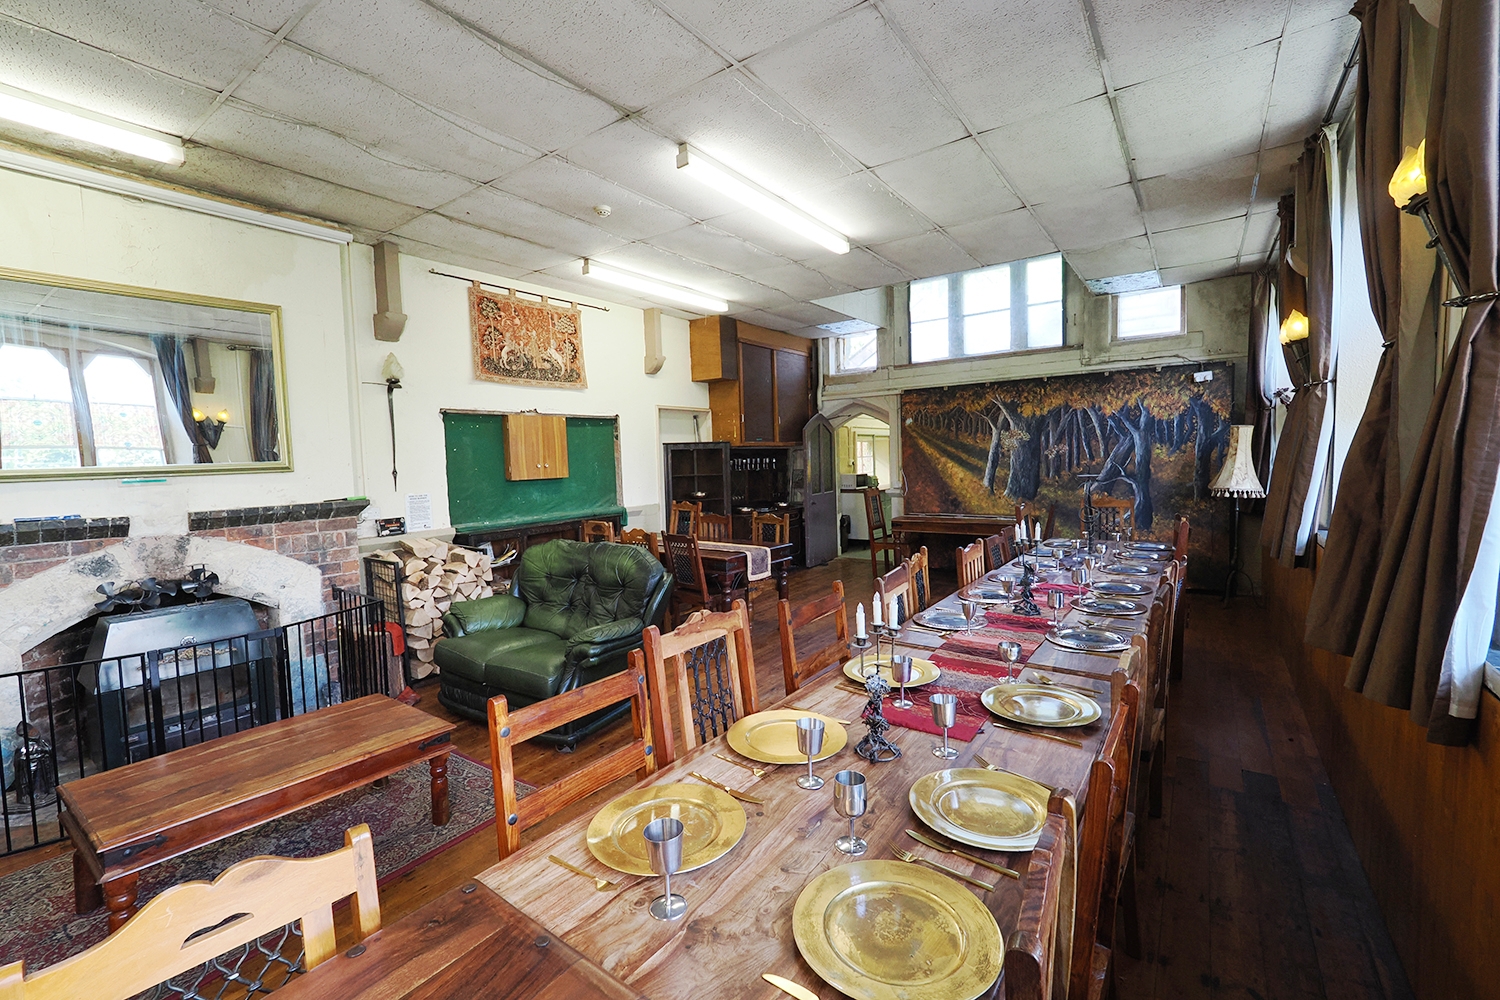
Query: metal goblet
{"type": "Point", "coordinates": [810, 742]}
{"type": "Point", "coordinates": [664, 854]}
{"type": "Point", "coordinates": [1080, 576]}
{"type": "Point", "coordinates": [944, 713]}
{"type": "Point", "coordinates": [902, 671]}
{"type": "Point", "coordinates": [849, 800]}
{"type": "Point", "coordinates": [1007, 585]}
{"type": "Point", "coordinates": [968, 606]}
{"type": "Point", "coordinates": [1057, 601]}
{"type": "Point", "coordinates": [1010, 652]}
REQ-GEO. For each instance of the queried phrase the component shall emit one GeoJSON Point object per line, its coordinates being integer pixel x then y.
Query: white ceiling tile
{"type": "Point", "coordinates": [862, 208]}
{"type": "Point", "coordinates": [1196, 244]}
{"type": "Point", "coordinates": [1004, 62]}
{"type": "Point", "coordinates": [312, 89]}
{"type": "Point", "coordinates": [505, 213]}
{"type": "Point", "coordinates": [1090, 219]}
{"type": "Point", "coordinates": [1308, 70]}
{"type": "Point", "coordinates": [808, 314]}
{"type": "Point", "coordinates": [950, 184]}
{"type": "Point", "coordinates": [1061, 152]}
{"type": "Point", "coordinates": [268, 14]}
{"type": "Point", "coordinates": [770, 320]}
{"type": "Point", "coordinates": [1004, 238]}
{"type": "Point", "coordinates": [855, 81]}
{"type": "Point", "coordinates": [858, 269]}
{"type": "Point", "coordinates": [1210, 112]}
{"type": "Point", "coordinates": [1259, 235]}
{"type": "Point", "coordinates": [1200, 194]}
{"type": "Point", "coordinates": [667, 266]}
{"type": "Point", "coordinates": [927, 255]}
{"type": "Point", "coordinates": [629, 52]}
{"type": "Point", "coordinates": [799, 282]}
{"type": "Point", "coordinates": [765, 297]}
{"type": "Point", "coordinates": [713, 246]}
{"type": "Point", "coordinates": [422, 52]}
{"type": "Point", "coordinates": [486, 266]}
{"type": "Point", "coordinates": [1278, 174]}
{"type": "Point", "coordinates": [1190, 273]}
{"type": "Point", "coordinates": [482, 244]}
{"type": "Point", "coordinates": [1306, 13]}
{"type": "Point", "coordinates": [745, 27]}
{"type": "Point", "coordinates": [1143, 40]}
{"type": "Point", "coordinates": [642, 161]}
{"type": "Point", "coordinates": [569, 278]}
{"type": "Point", "coordinates": [559, 185]}
{"type": "Point", "coordinates": [1130, 256]}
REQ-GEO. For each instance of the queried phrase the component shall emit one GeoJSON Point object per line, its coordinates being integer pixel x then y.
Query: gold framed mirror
{"type": "Point", "coordinates": [100, 380]}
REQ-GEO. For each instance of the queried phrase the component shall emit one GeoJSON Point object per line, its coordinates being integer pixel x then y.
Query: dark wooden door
{"type": "Point", "coordinates": [792, 408]}
{"type": "Point", "coordinates": [820, 511]}
{"type": "Point", "coordinates": [758, 392]}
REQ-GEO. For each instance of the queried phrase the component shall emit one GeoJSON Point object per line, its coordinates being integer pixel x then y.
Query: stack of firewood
{"type": "Point", "coordinates": [435, 574]}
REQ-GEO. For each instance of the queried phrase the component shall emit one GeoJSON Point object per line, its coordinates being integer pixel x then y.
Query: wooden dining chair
{"type": "Point", "coordinates": [919, 571]}
{"type": "Point", "coordinates": [1046, 523]}
{"type": "Point", "coordinates": [683, 560]}
{"type": "Point", "coordinates": [713, 527]}
{"type": "Point", "coordinates": [997, 552]}
{"type": "Point", "coordinates": [1179, 608]}
{"type": "Point", "coordinates": [193, 923]}
{"type": "Point", "coordinates": [684, 517]}
{"type": "Point", "coordinates": [1038, 955]}
{"type": "Point", "coordinates": [712, 664]}
{"type": "Point", "coordinates": [970, 562]}
{"type": "Point", "coordinates": [796, 672]}
{"type": "Point", "coordinates": [598, 531]}
{"type": "Point", "coordinates": [881, 539]}
{"type": "Point", "coordinates": [770, 529]}
{"type": "Point", "coordinates": [1114, 514]}
{"type": "Point", "coordinates": [1154, 691]}
{"type": "Point", "coordinates": [508, 729]}
{"type": "Point", "coordinates": [896, 585]}
{"type": "Point", "coordinates": [641, 538]}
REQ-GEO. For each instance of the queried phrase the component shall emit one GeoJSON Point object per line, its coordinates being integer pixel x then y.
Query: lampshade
{"type": "Point", "coordinates": [1294, 327]}
{"type": "Point", "coordinates": [1410, 178]}
{"type": "Point", "coordinates": [1237, 478]}
{"type": "Point", "coordinates": [391, 370]}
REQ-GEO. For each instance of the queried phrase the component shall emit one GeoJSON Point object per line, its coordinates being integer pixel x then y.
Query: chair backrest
{"type": "Point", "coordinates": [1180, 540]}
{"type": "Point", "coordinates": [770, 529]}
{"type": "Point", "coordinates": [998, 551]}
{"type": "Point", "coordinates": [713, 660]}
{"type": "Point", "coordinates": [681, 557]}
{"type": "Point", "coordinates": [919, 571]}
{"type": "Point", "coordinates": [508, 728]}
{"type": "Point", "coordinates": [797, 672]}
{"type": "Point", "coordinates": [684, 518]}
{"type": "Point", "coordinates": [598, 531]}
{"type": "Point", "coordinates": [641, 539]}
{"type": "Point", "coordinates": [713, 527]}
{"type": "Point", "coordinates": [896, 585]}
{"type": "Point", "coordinates": [1113, 514]}
{"type": "Point", "coordinates": [195, 922]}
{"type": "Point", "coordinates": [970, 561]}
{"type": "Point", "coordinates": [1039, 952]}
{"type": "Point", "coordinates": [875, 514]}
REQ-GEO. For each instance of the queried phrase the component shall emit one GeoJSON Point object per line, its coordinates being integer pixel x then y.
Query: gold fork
{"type": "Point", "coordinates": [908, 856]}
{"type": "Point", "coordinates": [602, 884]}
{"type": "Point", "coordinates": [759, 772]}
{"type": "Point", "coordinates": [991, 767]}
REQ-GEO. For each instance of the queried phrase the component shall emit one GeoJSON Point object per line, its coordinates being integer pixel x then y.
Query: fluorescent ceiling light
{"type": "Point", "coordinates": [55, 116]}
{"type": "Point", "coordinates": [752, 195]}
{"type": "Point", "coordinates": [654, 287]}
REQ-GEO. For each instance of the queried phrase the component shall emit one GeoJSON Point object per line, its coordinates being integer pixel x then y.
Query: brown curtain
{"type": "Point", "coordinates": [1430, 554]}
{"type": "Point", "coordinates": [1370, 483]}
{"type": "Point", "coordinates": [1260, 406]}
{"type": "Point", "coordinates": [1298, 452]}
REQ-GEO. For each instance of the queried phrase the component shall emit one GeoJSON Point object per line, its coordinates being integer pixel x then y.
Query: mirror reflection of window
{"type": "Point", "coordinates": [122, 410]}
{"type": "Point", "coordinates": [37, 430]}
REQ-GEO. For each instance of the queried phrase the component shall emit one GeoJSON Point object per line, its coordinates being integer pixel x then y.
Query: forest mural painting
{"type": "Point", "coordinates": [1154, 435]}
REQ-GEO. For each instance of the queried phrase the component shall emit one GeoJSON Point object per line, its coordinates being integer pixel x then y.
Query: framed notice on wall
{"type": "Point", "coordinates": [525, 342]}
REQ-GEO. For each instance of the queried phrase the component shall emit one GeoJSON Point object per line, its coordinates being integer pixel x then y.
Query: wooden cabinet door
{"type": "Point", "coordinates": [536, 446]}
{"type": "Point", "coordinates": [758, 392]}
{"type": "Point", "coordinates": [791, 396]}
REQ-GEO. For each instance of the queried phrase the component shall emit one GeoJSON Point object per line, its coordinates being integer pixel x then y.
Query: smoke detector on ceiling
{"type": "Point", "coordinates": [602, 211]}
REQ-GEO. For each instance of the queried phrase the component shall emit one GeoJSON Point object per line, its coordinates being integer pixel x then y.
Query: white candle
{"type": "Point", "coordinates": [890, 613]}
{"type": "Point", "coordinates": [859, 621]}
{"type": "Point", "coordinates": [875, 610]}
{"type": "Point", "coordinates": [1021, 529]}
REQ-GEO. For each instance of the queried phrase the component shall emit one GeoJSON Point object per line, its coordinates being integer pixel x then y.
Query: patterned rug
{"type": "Point", "coordinates": [37, 921]}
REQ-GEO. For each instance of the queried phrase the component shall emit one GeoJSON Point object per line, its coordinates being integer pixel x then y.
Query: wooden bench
{"type": "Point", "coordinates": [124, 821]}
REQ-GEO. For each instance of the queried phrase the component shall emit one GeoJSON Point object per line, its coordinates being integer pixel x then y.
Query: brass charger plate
{"type": "Point", "coordinates": [888, 930]}
{"type": "Point", "coordinates": [771, 737]}
{"type": "Point", "coordinates": [923, 672]}
{"type": "Point", "coordinates": [1041, 705]}
{"type": "Point", "coordinates": [995, 810]}
{"type": "Point", "coordinates": [712, 824]}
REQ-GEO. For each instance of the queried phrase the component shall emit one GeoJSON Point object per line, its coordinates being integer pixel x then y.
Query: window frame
{"type": "Point", "coordinates": [1018, 314]}
{"type": "Point", "coordinates": [838, 353]}
{"type": "Point", "coordinates": [1114, 317]}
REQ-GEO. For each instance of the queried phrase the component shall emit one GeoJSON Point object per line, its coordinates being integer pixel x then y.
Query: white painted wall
{"type": "Point", "coordinates": [434, 350]}
{"type": "Point", "coordinates": [54, 227]}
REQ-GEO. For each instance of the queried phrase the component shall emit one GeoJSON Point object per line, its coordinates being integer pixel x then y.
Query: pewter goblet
{"type": "Point", "coordinates": [849, 800]}
{"type": "Point", "coordinates": [1080, 576]}
{"type": "Point", "coordinates": [1007, 585]}
{"type": "Point", "coordinates": [968, 606]}
{"type": "Point", "coordinates": [664, 854]}
{"type": "Point", "coordinates": [1010, 652]}
{"type": "Point", "coordinates": [902, 671]}
{"type": "Point", "coordinates": [944, 713]}
{"type": "Point", "coordinates": [1056, 600]}
{"type": "Point", "coordinates": [810, 742]}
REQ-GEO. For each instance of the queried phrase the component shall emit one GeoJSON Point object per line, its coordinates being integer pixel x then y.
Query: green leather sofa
{"type": "Point", "coordinates": [575, 610]}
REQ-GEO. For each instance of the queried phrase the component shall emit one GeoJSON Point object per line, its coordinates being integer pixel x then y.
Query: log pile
{"type": "Point", "coordinates": [434, 575]}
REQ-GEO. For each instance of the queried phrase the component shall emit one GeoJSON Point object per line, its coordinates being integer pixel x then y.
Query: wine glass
{"type": "Point", "coordinates": [968, 605]}
{"type": "Point", "coordinates": [810, 742]}
{"type": "Point", "coordinates": [944, 714]}
{"type": "Point", "coordinates": [902, 671]}
{"type": "Point", "coordinates": [1057, 601]}
{"type": "Point", "coordinates": [1010, 652]}
{"type": "Point", "coordinates": [664, 854]}
{"type": "Point", "coordinates": [849, 800]}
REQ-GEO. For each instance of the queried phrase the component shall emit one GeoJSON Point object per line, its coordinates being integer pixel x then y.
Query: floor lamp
{"type": "Point", "coordinates": [1237, 479]}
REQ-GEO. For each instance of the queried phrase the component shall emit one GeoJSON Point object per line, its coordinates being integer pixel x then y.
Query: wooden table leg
{"type": "Point", "coordinates": [438, 767]}
{"type": "Point", "coordinates": [783, 590]}
{"type": "Point", "coordinates": [119, 896]}
{"type": "Point", "coordinates": [87, 896]}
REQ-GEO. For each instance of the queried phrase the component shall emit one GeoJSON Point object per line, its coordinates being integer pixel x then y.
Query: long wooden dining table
{"type": "Point", "coordinates": [739, 908]}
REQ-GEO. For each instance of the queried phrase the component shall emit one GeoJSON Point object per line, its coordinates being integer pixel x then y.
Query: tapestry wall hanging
{"type": "Point", "coordinates": [1156, 436]}
{"type": "Point", "coordinates": [525, 342]}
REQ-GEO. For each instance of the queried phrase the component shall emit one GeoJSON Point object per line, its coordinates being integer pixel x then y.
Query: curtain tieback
{"type": "Point", "coordinates": [1464, 301]}
{"type": "Point", "coordinates": [1321, 381]}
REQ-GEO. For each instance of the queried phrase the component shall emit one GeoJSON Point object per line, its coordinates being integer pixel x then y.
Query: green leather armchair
{"type": "Point", "coordinates": [575, 610]}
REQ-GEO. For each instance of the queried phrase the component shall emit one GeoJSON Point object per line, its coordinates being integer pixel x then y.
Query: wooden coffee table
{"type": "Point", "coordinates": [124, 821]}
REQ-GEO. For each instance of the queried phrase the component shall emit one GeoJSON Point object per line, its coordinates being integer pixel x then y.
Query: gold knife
{"type": "Point", "coordinates": [788, 987]}
{"type": "Point", "coordinates": [928, 841]}
{"type": "Point", "coordinates": [742, 796]}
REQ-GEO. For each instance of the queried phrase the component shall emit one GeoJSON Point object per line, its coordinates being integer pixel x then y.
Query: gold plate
{"type": "Point", "coordinates": [996, 810]}
{"type": "Point", "coordinates": [1041, 705]}
{"type": "Point", "coordinates": [712, 824]}
{"type": "Point", "coordinates": [888, 930]}
{"type": "Point", "coordinates": [923, 671]}
{"type": "Point", "coordinates": [771, 737]}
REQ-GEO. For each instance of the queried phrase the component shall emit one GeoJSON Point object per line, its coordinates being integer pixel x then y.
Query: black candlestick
{"type": "Point", "coordinates": [1023, 603]}
{"type": "Point", "coordinates": [875, 747]}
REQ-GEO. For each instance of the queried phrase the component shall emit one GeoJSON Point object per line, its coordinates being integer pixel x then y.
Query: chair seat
{"type": "Point", "coordinates": [1099, 973]}
{"type": "Point", "coordinates": [519, 660]}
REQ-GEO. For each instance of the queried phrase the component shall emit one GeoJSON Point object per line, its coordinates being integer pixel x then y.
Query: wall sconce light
{"type": "Point", "coordinates": [1294, 327]}
{"type": "Point", "coordinates": [212, 428]}
{"type": "Point", "coordinates": [1408, 189]}
{"type": "Point", "coordinates": [391, 372]}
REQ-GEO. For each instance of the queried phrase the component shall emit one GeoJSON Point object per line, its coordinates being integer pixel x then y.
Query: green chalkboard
{"type": "Point", "coordinates": [480, 497]}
